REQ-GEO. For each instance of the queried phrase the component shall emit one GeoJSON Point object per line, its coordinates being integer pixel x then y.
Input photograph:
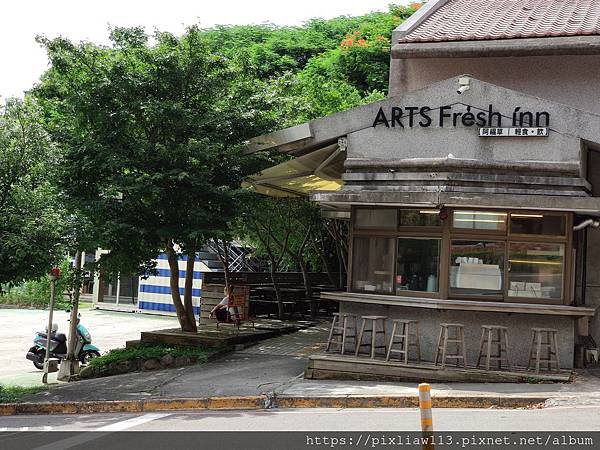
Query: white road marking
{"type": "Point", "coordinates": [24, 429]}
{"type": "Point", "coordinates": [47, 428]}
{"type": "Point", "coordinates": [130, 423]}
{"type": "Point", "coordinates": [3, 429]}
{"type": "Point", "coordinates": [86, 436]}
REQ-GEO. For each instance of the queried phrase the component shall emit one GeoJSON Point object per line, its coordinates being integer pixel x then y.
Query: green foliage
{"type": "Point", "coordinates": [147, 351]}
{"type": "Point", "coordinates": [31, 218]}
{"type": "Point", "coordinates": [14, 394]}
{"type": "Point", "coordinates": [36, 293]}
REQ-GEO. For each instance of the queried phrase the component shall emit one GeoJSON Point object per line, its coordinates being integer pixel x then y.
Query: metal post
{"type": "Point", "coordinates": [49, 330]}
{"type": "Point", "coordinates": [70, 365]}
{"type": "Point", "coordinates": [426, 416]}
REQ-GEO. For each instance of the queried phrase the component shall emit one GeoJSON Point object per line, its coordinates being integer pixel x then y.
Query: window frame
{"type": "Point", "coordinates": [447, 233]}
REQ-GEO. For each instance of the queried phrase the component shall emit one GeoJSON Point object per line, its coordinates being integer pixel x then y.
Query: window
{"type": "Point", "coordinates": [540, 224]}
{"type": "Point", "coordinates": [417, 266]}
{"type": "Point", "coordinates": [373, 264]}
{"type": "Point", "coordinates": [513, 256]}
{"type": "Point", "coordinates": [479, 220]}
{"type": "Point", "coordinates": [476, 267]}
{"type": "Point", "coordinates": [382, 219]}
{"type": "Point", "coordinates": [535, 270]}
{"type": "Point", "coordinates": [420, 218]}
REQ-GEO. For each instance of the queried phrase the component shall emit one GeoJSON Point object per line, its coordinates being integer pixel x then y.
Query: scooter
{"type": "Point", "coordinates": [84, 349]}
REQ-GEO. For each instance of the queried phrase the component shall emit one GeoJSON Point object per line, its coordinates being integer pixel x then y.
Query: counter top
{"type": "Point", "coordinates": [463, 305]}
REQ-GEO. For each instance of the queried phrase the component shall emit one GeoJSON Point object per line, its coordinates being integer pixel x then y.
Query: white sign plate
{"type": "Point", "coordinates": [514, 132]}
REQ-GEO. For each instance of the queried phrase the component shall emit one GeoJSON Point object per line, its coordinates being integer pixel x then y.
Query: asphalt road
{"type": "Point", "coordinates": [549, 419]}
{"type": "Point", "coordinates": [108, 329]}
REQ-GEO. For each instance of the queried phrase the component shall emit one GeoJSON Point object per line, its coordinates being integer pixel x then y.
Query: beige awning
{"type": "Point", "coordinates": [320, 170]}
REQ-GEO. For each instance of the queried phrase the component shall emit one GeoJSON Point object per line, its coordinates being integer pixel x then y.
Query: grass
{"type": "Point", "coordinates": [147, 351]}
{"type": "Point", "coordinates": [14, 394]}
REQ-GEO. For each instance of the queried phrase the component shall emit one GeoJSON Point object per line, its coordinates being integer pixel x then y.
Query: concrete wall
{"type": "Point", "coordinates": [571, 80]}
{"type": "Point", "coordinates": [592, 288]}
{"type": "Point", "coordinates": [519, 329]}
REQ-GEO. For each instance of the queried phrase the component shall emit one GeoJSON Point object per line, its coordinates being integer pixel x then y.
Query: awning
{"type": "Point", "coordinates": [320, 170]}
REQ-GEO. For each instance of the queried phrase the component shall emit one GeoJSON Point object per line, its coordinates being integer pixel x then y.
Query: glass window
{"type": "Point", "coordinates": [541, 224]}
{"type": "Point", "coordinates": [418, 265]}
{"type": "Point", "coordinates": [535, 270]}
{"type": "Point", "coordinates": [479, 220]}
{"type": "Point", "coordinates": [420, 218]}
{"type": "Point", "coordinates": [373, 264]}
{"type": "Point", "coordinates": [476, 267]}
{"type": "Point", "coordinates": [382, 219]}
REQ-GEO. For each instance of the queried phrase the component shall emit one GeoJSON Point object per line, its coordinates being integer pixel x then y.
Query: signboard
{"type": "Point", "coordinates": [241, 300]}
{"type": "Point", "coordinates": [459, 115]}
{"type": "Point", "coordinates": [514, 132]}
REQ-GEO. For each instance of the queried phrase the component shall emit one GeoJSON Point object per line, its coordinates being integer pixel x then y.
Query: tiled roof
{"type": "Point", "coordinates": [469, 20]}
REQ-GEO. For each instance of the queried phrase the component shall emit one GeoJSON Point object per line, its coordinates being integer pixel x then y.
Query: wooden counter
{"type": "Point", "coordinates": [462, 305]}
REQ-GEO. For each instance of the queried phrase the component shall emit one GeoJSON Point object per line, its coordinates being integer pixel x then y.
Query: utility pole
{"type": "Point", "coordinates": [53, 277]}
{"type": "Point", "coordinates": [70, 365]}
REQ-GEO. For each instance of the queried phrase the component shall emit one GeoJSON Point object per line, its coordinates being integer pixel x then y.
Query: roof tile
{"type": "Point", "coordinates": [468, 20]}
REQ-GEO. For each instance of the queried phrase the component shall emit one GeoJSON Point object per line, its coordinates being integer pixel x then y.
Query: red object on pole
{"type": "Point", "coordinates": [55, 272]}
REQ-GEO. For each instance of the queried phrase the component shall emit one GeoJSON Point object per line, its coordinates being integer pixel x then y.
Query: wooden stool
{"type": "Point", "coordinates": [501, 343]}
{"type": "Point", "coordinates": [405, 335]}
{"type": "Point", "coordinates": [374, 320]}
{"type": "Point", "coordinates": [444, 340]}
{"type": "Point", "coordinates": [538, 342]}
{"type": "Point", "coordinates": [343, 326]}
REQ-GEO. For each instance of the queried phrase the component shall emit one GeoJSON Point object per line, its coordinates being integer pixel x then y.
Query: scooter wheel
{"type": "Point", "coordinates": [85, 357]}
{"type": "Point", "coordinates": [42, 355]}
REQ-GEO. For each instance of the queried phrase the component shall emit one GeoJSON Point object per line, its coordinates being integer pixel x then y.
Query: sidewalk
{"type": "Point", "coordinates": [269, 374]}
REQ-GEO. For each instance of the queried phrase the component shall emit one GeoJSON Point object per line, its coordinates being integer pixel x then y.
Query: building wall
{"type": "Point", "coordinates": [571, 80]}
{"type": "Point", "coordinates": [592, 288]}
{"type": "Point", "coordinates": [519, 329]}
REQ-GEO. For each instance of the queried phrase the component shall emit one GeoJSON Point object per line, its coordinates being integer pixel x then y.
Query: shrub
{"type": "Point", "coordinates": [148, 351]}
{"type": "Point", "coordinates": [13, 394]}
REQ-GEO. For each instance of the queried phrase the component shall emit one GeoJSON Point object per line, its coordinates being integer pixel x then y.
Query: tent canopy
{"type": "Point", "coordinates": [320, 170]}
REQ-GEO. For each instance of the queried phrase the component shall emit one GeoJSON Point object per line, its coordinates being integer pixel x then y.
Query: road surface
{"type": "Point", "coordinates": [548, 419]}
{"type": "Point", "coordinates": [109, 330]}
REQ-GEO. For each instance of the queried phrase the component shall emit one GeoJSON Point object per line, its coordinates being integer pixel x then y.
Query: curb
{"type": "Point", "coordinates": [261, 402]}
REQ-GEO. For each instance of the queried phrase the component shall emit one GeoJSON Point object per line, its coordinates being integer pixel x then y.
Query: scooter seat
{"type": "Point", "coordinates": [58, 337]}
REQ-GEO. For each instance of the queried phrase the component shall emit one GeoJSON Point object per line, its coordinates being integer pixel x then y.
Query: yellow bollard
{"type": "Point", "coordinates": [426, 416]}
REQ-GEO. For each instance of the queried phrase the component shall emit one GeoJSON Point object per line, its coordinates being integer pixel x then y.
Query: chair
{"type": "Point", "coordinates": [446, 329]}
{"type": "Point", "coordinates": [544, 339]}
{"type": "Point", "coordinates": [406, 326]}
{"type": "Point", "coordinates": [343, 326]}
{"type": "Point", "coordinates": [374, 330]}
{"type": "Point", "coordinates": [494, 335]}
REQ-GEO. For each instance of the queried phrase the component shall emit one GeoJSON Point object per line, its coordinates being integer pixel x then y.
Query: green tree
{"type": "Point", "coordinates": [31, 218]}
{"type": "Point", "coordinates": [152, 135]}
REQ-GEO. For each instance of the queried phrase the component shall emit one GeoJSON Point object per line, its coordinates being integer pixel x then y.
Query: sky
{"type": "Point", "coordinates": [23, 60]}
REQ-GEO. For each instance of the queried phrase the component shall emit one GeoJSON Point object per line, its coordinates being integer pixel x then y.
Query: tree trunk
{"type": "Point", "coordinates": [323, 256]}
{"type": "Point", "coordinates": [188, 303]}
{"type": "Point", "coordinates": [175, 295]}
{"type": "Point", "coordinates": [273, 269]}
{"type": "Point", "coordinates": [308, 287]}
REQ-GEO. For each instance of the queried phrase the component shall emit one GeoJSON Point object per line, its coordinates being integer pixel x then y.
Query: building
{"type": "Point", "coordinates": [473, 189]}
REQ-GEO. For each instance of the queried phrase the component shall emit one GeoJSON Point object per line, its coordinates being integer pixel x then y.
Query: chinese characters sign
{"type": "Point", "coordinates": [514, 132]}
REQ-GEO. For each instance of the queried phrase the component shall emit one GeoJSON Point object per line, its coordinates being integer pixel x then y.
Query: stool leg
{"type": "Point", "coordinates": [444, 348]}
{"type": "Point", "coordinates": [464, 348]}
{"type": "Point", "coordinates": [389, 349]}
{"type": "Point", "coordinates": [481, 344]}
{"type": "Point", "coordinates": [345, 325]}
{"type": "Point", "coordinates": [556, 350]}
{"type": "Point", "coordinates": [531, 350]}
{"type": "Point", "coordinates": [405, 344]}
{"type": "Point", "coordinates": [360, 337]}
{"type": "Point", "coordinates": [418, 338]}
{"type": "Point", "coordinates": [439, 344]}
{"type": "Point", "coordinates": [539, 350]}
{"type": "Point", "coordinates": [490, 336]}
{"type": "Point", "coordinates": [373, 337]}
{"type": "Point", "coordinates": [507, 349]}
{"type": "Point", "coordinates": [331, 333]}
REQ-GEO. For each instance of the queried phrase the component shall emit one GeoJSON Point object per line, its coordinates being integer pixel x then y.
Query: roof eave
{"type": "Point", "coordinates": [544, 46]}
